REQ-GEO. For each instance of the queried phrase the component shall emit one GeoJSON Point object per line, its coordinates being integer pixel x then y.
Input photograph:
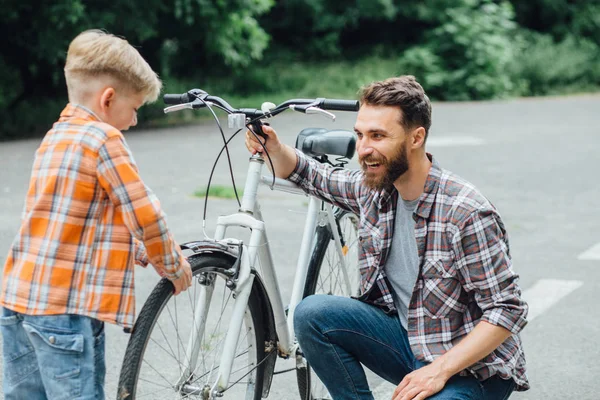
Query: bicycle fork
{"type": "Point", "coordinates": [196, 336]}
{"type": "Point", "coordinates": [241, 289]}
{"type": "Point", "coordinates": [244, 285]}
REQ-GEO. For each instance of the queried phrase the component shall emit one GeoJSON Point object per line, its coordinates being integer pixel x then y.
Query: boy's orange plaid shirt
{"type": "Point", "coordinates": [87, 212]}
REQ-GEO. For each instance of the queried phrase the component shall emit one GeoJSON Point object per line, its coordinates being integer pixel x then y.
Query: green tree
{"type": "Point", "coordinates": [180, 37]}
{"type": "Point", "coordinates": [561, 18]}
{"type": "Point", "coordinates": [468, 55]}
{"type": "Point", "coordinates": [316, 28]}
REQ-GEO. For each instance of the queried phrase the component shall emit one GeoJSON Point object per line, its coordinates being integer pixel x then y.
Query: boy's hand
{"type": "Point", "coordinates": [185, 280]}
{"type": "Point", "coordinates": [273, 144]}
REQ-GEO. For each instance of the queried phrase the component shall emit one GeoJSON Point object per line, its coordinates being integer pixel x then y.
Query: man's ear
{"type": "Point", "coordinates": [418, 137]}
{"type": "Point", "coordinates": [107, 99]}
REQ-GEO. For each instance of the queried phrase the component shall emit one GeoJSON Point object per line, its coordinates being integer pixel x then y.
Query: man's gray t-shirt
{"type": "Point", "coordinates": [402, 265]}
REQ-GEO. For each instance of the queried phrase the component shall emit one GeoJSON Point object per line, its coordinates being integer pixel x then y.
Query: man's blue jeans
{"type": "Point", "coordinates": [337, 334]}
{"type": "Point", "coordinates": [52, 357]}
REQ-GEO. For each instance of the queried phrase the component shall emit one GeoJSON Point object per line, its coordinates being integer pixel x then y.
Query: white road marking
{"type": "Point", "coordinates": [545, 293]}
{"type": "Point", "coordinates": [540, 297]}
{"type": "Point", "coordinates": [452, 141]}
{"type": "Point", "coordinates": [591, 254]}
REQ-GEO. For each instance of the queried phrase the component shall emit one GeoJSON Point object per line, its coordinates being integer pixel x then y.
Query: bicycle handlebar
{"type": "Point", "coordinates": [339, 105]}
{"type": "Point", "coordinates": [198, 98]}
{"type": "Point", "coordinates": [177, 98]}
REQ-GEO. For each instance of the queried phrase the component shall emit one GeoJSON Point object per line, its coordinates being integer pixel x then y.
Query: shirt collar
{"type": "Point", "coordinates": [430, 190]}
{"type": "Point", "coordinates": [78, 111]}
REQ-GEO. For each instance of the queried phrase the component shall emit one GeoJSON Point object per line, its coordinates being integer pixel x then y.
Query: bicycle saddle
{"type": "Point", "coordinates": [317, 142]}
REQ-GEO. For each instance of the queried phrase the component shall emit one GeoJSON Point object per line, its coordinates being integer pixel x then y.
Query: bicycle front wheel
{"type": "Point", "coordinates": [333, 270]}
{"type": "Point", "coordinates": [158, 363]}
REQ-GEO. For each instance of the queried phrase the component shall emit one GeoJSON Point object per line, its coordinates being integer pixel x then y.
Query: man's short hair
{"type": "Point", "coordinates": [403, 92]}
{"type": "Point", "coordinates": [95, 54]}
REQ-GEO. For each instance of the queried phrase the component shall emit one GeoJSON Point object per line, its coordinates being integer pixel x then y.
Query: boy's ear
{"type": "Point", "coordinates": [107, 98]}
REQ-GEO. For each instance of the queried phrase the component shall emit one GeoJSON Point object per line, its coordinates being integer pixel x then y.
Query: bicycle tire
{"type": "Point", "coordinates": [321, 280]}
{"type": "Point", "coordinates": [137, 356]}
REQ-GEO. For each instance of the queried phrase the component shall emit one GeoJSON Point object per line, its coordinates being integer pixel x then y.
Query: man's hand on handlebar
{"type": "Point", "coordinates": [282, 156]}
{"type": "Point", "coordinates": [273, 144]}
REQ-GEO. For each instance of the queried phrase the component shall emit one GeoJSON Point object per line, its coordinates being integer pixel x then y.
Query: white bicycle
{"type": "Point", "coordinates": [222, 336]}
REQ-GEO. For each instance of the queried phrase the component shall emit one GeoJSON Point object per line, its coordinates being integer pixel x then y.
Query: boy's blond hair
{"type": "Point", "coordinates": [97, 55]}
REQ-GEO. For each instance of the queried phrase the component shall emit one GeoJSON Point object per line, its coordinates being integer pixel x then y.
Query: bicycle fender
{"type": "Point", "coordinates": [210, 246]}
{"type": "Point", "coordinates": [231, 250]}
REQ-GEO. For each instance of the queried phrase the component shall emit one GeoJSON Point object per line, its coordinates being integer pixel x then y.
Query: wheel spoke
{"type": "Point", "coordinates": [331, 280]}
{"type": "Point", "coordinates": [161, 365]}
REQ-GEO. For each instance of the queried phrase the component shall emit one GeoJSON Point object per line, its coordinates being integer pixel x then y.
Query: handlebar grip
{"type": "Point", "coordinates": [339, 105]}
{"type": "Point", "coordinates": [257, 128]}
{"type": "Point", "coordinates": [176, 98]}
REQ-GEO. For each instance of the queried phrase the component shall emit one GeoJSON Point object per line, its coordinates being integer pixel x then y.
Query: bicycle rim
{"type": "Point", "coordinates": [158, 357]}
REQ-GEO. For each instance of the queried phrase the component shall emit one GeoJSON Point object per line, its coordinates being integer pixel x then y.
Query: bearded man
{"type": "Point", "coordinates": [439, 310]}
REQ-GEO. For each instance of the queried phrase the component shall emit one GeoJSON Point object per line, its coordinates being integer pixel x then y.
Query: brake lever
{"type": "Point", "coordinates": [312, 109]}
{"type": "Point", "coordinates": [317, 110]}
{"type": "Point", "coordinates": [178, 107]}
{"type": "Point", "coordinates": [191, 105]}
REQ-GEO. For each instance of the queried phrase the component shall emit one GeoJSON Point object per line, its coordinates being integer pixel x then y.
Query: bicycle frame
{"type": "Point", "coordinates": [257, 255]}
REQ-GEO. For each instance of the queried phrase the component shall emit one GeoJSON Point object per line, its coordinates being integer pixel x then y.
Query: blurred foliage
{"type": "Point", "coordinates": [315, 28]}
{"type": "Point", "coordinates": [560, 18]}
{"type": "Point", "coordinates": [177, 38]}
{"type": "Point", "coordinates": [468, 54]}
{"type": "Point", "coordinates": [243, 49]}
{"type": "Point", "coordinates": [547, 67]}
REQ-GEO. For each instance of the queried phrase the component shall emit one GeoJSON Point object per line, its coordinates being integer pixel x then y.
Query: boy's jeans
{"type": "Point", "coordinates": [336, 334]}
{"type": "Point", "coordinates": [52, 357]}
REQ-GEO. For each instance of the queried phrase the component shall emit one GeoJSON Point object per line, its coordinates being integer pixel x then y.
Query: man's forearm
{"type": "Point", "coordinates": [480, 342]}
{"type": "Point", "coordinates": [432, 378]}
{"type": "Point", "coordinates": [284, 161]}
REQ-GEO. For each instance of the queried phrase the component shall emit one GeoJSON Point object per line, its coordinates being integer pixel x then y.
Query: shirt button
{"type": "Point", "coordinates": [52, 339]}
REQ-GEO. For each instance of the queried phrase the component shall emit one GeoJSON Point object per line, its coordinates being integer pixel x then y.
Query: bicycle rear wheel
{"type": "Point", "coordinates": [156, 366]}
{"type": "Point", "coordinates": [332, 275]}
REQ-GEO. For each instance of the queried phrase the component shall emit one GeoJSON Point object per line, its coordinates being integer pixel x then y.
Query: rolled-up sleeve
{"type": "Point", "coordinates": [141, 258]}
{"type": "Point", "coordinates": [485, 268]}
{"type": "Point", "coordinates": [339, 186]}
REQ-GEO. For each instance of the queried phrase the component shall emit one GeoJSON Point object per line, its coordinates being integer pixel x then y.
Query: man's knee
{"type": "Point", "coordinates": [303, 314]}
{"type": "Point", "coordinates": [309, 312]}
{"type": "Point", "coordinates": [319, 313]}
{"type": "Point", "coordinates": [460, 388]}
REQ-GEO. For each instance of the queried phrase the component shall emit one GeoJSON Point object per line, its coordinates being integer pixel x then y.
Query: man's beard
{"type": "Point", "coordinates": [394, 168]}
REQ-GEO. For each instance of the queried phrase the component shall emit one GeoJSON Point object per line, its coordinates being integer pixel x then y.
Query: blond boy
{"type": "Point", "coordinates": [88, 218]}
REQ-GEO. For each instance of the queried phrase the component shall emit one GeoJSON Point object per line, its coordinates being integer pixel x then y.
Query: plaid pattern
{"type": "Point", "coordinates": [88, 218]}
{"type": "Point", "coordinates": [466, 272]}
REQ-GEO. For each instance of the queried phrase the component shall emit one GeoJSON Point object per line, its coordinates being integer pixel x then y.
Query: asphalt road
{"type": "Point", "coordinates": [537, 160]}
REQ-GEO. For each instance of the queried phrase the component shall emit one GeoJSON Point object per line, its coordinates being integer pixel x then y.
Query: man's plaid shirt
{"type": "Point", "coordinates": [466, 273]}
{"type": "Point", "coordinates": [88, 217]}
